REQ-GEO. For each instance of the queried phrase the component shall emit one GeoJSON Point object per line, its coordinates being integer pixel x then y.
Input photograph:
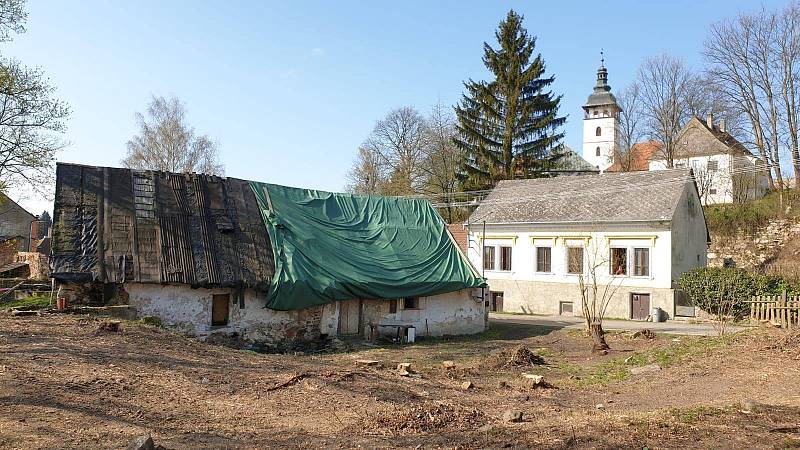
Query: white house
{"type": "Point", "coordinates": [724, 169]}
{"type": "Point", "coordinates": [534, 239]}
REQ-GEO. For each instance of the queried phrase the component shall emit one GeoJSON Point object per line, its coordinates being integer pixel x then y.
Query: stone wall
{"type": "Point", "coordinates": [752, 250]}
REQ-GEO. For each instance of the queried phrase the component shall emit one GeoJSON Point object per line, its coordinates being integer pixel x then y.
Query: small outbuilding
{"type": "Point", "coordinates": [268, 263]}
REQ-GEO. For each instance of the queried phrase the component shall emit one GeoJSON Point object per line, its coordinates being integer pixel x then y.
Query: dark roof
{"type": "Point", "coordinates": [116, 225]}
{"type": "Point", "coordinates": [569, 159]}
{"type": "Point", "coordinates": [608, 197]}
{"type": "Point", "coordinates": [6, 203]}
{"type": "Point", "coordinates": [601, 94]}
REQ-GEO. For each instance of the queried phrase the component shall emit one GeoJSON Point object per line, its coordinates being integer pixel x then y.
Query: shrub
{"type": "Point", "coordinates": [722, 290]}
{"type": "Point", "coordinates": [727, 220]}
{"type": "Point", "coordinates": [719, 290]}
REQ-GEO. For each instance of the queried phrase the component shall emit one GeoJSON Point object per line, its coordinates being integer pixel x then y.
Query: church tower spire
{"type": "Point", "coordinates": [600, 121]}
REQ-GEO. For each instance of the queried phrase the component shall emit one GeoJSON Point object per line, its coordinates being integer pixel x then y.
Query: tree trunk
{"type": "Point", "coordinates": [598, 337]}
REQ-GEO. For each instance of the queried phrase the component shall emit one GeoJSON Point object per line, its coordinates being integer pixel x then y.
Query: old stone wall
{"type": "Point", "coordinates": [454, 313]}
{"type": "Point", "coordinates": [38, 263]}
{"type": "Point", "coordinates": [752, 250]}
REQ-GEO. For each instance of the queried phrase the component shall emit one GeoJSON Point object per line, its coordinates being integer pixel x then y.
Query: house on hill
{"type": "Point", "coordinates": [15, 222]}
{"type": "Point", "coordinates": [268, 263]}
{"type": "Point", "coordinates": [724, 169]}
{"type": "Point", "coordinates": [639, 231]}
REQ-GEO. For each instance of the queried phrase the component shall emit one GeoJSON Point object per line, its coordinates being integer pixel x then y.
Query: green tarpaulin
{"type": "Point", "coordinates": [331, 247]}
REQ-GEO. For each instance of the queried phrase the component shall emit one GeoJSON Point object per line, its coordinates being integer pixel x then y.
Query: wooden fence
{"type": "Point", "coordinates": [777, 309]}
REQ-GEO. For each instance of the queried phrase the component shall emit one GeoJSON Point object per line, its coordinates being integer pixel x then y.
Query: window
{"type": "Point", "coordinates": [713, 165]}
{"type": "Point", "coordinates": [220, 304]}
{"type": "Point", "coordinates": [574, 259]}
{"type": "Point", "coordinates": [605, 114]}
{"type": "Point", "coordinates": [543, 261]}
{"type": "Point", "coordinates": [712, 191]}
{"type": "Point", "coordinates": [619, 261]}
{"type": "Point", "coordinates": [595, 113]}
{"type": "Point", "coordinates": [393, 306]}
{"type": "Point", "coordinates": [641, 262]}
{"type": "Point", "coordinates": [598, 131]}
{"type": "Point", "coordinates": [411, 303]}
{"type": "Point", "coordinates": [597, 152]}
{"type": "Point", "coordinates": [680, 165]}
{"type": "Point", "coordinates": [505, 258]}
{"type": "Point", "coordinates": [488, 257]}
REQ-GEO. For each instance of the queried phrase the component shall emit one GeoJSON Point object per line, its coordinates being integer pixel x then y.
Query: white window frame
{"type": "Point", "coordinates": [536, 259]}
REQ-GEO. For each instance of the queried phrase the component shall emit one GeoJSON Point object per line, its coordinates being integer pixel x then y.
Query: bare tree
{"type": "Point", "coordinates": [398, 142]}
{"type": "Point", "coordinates": [664, 85]}
{"type": "Point", "coordinates": [741, 62]}
{"type": "Point", "coordinates": [631, 125]}
{"type": "Point", "coordinates": [788, 59]}
{"type": "Point", "coordinates": [442, 159]}
{"type": "Point", "coordinates": [167, 142]}
{"type": "Point", "coordinates": [705, 180]}
{"type": "Point", "coordinates": [366, 176]}
{"type": "Point", "coordinates": [597, 289]}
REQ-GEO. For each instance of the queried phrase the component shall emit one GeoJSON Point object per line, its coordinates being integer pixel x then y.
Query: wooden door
{"type": "Point", "coordinates": [497, 301]}
{"type": "Point", "coordinates": [220, 305]}
{"type": "Point", "coordinates": [640, 306]}
{"type": "Point", "coordinates": [349, 317]}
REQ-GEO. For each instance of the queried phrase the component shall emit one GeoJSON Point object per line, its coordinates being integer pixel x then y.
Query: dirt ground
{"type": "Point", "coordinates": [65, 383]}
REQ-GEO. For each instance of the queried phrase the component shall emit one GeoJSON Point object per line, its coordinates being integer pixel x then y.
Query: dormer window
{"type": "Point", "coordinates": [597, 152]}
{"type": "Point", "coordinates": [597, 131]}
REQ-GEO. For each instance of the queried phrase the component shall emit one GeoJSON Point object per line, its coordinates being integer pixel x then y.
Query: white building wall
{"type": "Point", "coordinates": [188, 310]}
{"type": "Point", "coordinates": [716, 185]}
{"type": "Point", "coordinates": [525, 290]}
{"type": "Point", "coordinates": [608, 124]}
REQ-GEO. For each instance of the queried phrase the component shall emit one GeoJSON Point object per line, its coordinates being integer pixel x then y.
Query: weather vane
{"type": "Point", "coordinates": [602, 57]}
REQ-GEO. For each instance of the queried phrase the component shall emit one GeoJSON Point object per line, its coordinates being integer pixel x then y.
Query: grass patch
{"type": "Point", "coordinates": [693, 415]}
{"type": "Point", "coordinates": [618, 369]}
{"type": "Point", "coordinates": [32, 302]}
{"type": "Point", "coordinates": [729, 219]}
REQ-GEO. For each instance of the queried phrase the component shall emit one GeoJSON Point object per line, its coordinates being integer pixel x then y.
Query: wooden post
{"type": "Point", "coordinates": [783, 310]}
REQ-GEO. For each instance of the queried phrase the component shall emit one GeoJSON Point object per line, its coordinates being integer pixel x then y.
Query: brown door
{"type": "Point", "coordinates": [640, 306]}
{"type": "Point", "coordinates": [349, 317]}
{"type": "Point", "coordinates": [220, 304]}
{"type": "Point", "coordinates": [497, 301]}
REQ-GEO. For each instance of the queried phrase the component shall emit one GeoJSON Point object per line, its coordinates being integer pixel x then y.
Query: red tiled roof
{"type": "Point", "coordinates": [640, 157]}
{"type": "Point", "coordinates": [459, 234]}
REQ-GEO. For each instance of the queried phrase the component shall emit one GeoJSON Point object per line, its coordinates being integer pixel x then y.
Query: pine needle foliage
{"type": "Point", "coordinates": [509, 127]}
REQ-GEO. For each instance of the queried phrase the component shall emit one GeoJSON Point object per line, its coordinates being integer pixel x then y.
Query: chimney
{"type": "Point", "coordinates": [710, 121]}
{"type": "Point", "coordinates": [722, 125]}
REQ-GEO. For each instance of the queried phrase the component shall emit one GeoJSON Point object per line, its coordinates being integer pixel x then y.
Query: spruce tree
{"type": "Point", "coordinates": [509, 127]}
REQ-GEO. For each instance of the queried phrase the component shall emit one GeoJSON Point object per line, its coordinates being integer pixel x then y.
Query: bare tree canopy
{"type": "Point", "coordinates": [167, 142]}
{"type": "Point", "coordinates": [31, 118]}
{"type": "Point", "coordinates": [664, 86]}
{"type": "Point", "coordinates": [12, 18]}
{"type": "Point", "coordinates": [631, 125]}
{"type": "Point", "coordinates": [754, 60]}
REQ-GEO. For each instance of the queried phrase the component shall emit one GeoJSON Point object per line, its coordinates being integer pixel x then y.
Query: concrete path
{"type": "Point", "coordinates": [670, 327]}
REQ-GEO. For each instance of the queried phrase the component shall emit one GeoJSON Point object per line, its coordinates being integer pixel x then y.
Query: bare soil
{"type": "Point", "coordinates": [65, 382]}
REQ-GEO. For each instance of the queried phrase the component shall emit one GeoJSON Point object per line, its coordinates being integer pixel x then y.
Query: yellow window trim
{"type": "Point", "coordinates": [499, 237]}
{"type": "Point", "coordinates": [552, 239]}
{"type": "Point", "coordinates": [585, 239]}
{"type": "Point", "coordinates": [652, 239]}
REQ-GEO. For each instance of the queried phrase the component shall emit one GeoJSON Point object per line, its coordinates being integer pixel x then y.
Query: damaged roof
{"type": "Point", "coordinates": [607, 197]}
{"type": "Point", "coordinates": [122, 225]}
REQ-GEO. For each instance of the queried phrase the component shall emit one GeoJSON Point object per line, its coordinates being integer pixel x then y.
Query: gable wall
{"type": "Point", "coordinates": [15, 221]}
{"type": "Point", "coordinates": [689, 235]}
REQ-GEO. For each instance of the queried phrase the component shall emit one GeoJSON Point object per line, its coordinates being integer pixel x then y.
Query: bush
{"type": "Point", "coordinates": [719, 290]}
{"type": "Point", "coordinates": [713, 289]}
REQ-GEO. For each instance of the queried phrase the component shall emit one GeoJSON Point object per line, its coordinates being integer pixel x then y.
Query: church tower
{"type": "Point", "coordinates": [600, 123]}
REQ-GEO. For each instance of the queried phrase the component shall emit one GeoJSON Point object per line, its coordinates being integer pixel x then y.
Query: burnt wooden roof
{"type": "Point", "coordinates": [122, 225]}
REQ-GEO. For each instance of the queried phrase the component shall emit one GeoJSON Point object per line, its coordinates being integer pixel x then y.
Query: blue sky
{"type": "Point", "coordinates": [290, 89]}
